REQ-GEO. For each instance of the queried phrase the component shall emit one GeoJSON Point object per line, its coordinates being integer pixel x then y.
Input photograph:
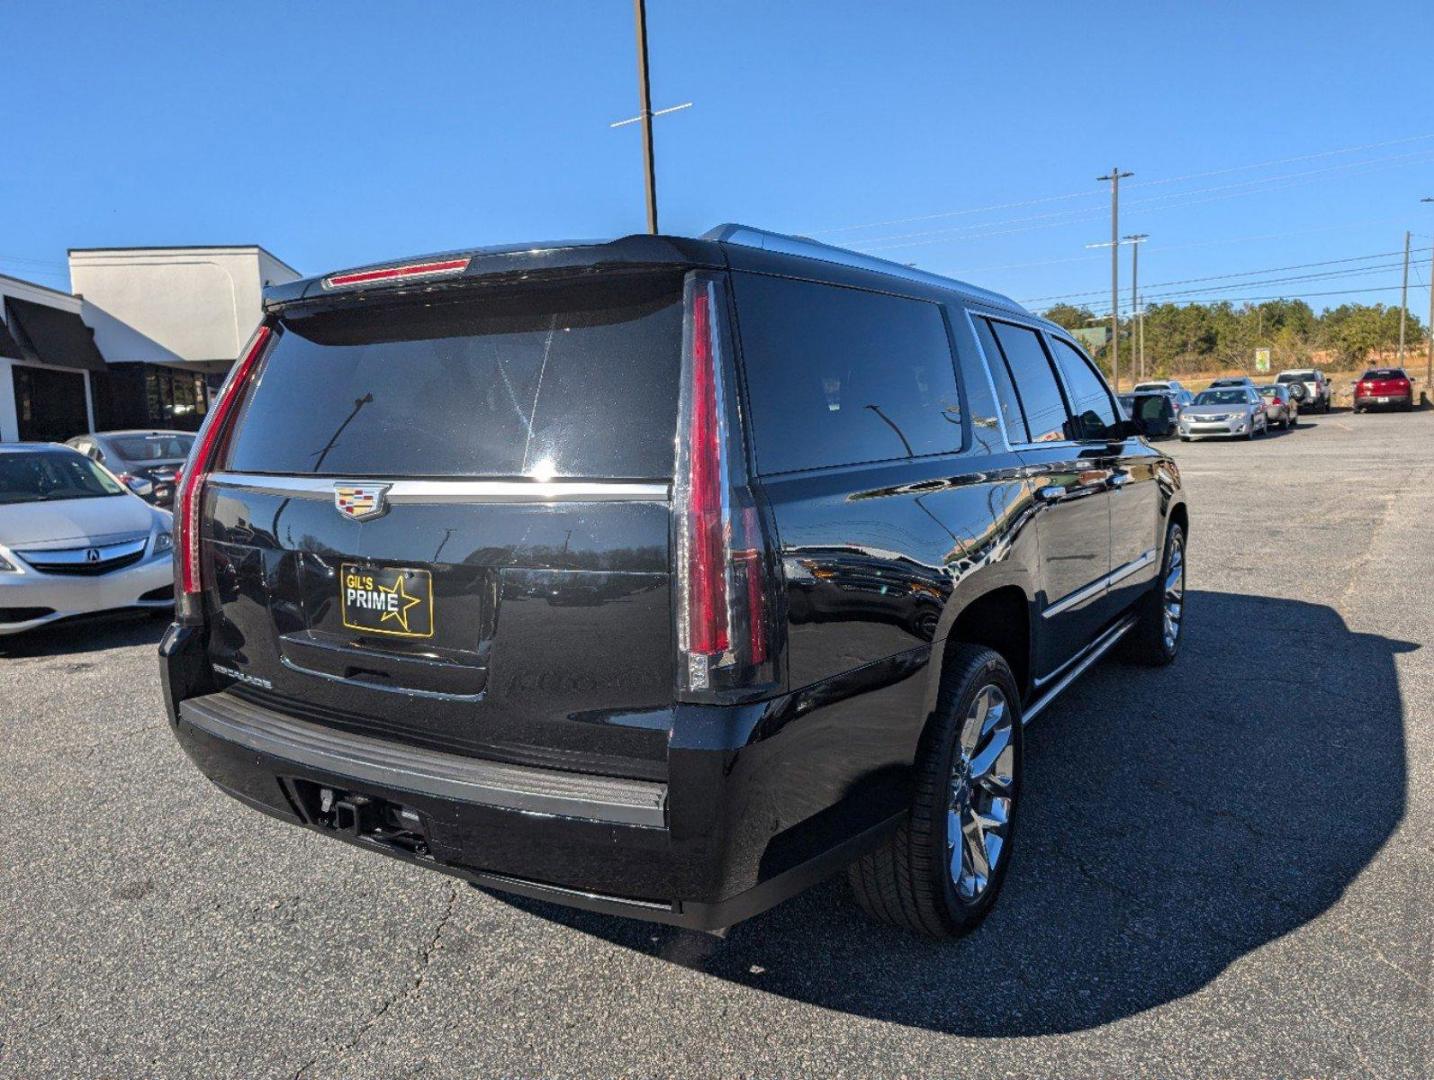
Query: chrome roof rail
{"type": "Point", "coordinates": [766, 240]}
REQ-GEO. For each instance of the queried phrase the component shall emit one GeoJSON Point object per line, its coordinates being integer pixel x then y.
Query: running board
{"type": "Point", "coordinates": [1103, 645]}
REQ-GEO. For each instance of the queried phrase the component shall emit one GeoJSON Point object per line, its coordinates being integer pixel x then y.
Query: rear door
{"type": "Point", "coordinates": [1071, 484]}
{"type": "Point", "coordinates": [445, 521]}
{"type": "Point", "coordinates": [1134, 489]}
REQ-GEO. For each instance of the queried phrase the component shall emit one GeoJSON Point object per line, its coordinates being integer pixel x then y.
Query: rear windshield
{"type": "Point", "coordinates": [1296, 376]}
{"type": "Point", "coordinates": [152, 447]}
{"type": "Point", "coordinates": [546, 382]}
{"type": "Point", "coordinates": [1384, 373]}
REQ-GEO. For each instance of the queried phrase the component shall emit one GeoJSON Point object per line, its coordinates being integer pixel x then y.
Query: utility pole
{"type": "Point", "coordinates": [644, 91]}
{"type": "Point", "coordinates": [1115, 177]}
{"type": "Point", "coordinates": [1137, 350]}
{"type": "Point", "coordinates": [1429, 359]}
{"type": "Point", "coordinates": [1404, 298]}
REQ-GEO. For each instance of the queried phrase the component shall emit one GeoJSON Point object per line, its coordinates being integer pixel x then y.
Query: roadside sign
{"type": "Point", "coordinates": [1262, 360]}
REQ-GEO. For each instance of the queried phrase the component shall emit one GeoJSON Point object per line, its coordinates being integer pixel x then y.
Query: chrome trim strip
{"type": "Point", "coordinates": [451, 491]}
{"type": "Point", "coordinates": [1102, 646]}
{"type": "Point", "coordinates": [79, 556]}
{"type": "Point", "coordinates": [1085, 592]}
{"type": "Point", "coordinates": [1135, 565]}
{"type": "Point", "coordinates": [406, 691]}
{"type": "Point", "coordinates": [1070, 600]}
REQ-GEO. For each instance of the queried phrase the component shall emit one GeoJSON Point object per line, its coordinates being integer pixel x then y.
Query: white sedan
{"type": "Point", "coordinates": [74, 540]}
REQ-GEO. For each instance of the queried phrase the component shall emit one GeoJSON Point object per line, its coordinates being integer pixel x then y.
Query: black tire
{"type": "Point", "coordinates": [907, 882]}
{"type": "Point", "coordinates": [1147, 642]}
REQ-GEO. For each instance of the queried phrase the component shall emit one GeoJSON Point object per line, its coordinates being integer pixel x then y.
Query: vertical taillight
{"type": "Point", "coordinates": [724, 569]}
{"type": "Point", "coordinates": [188, 496]}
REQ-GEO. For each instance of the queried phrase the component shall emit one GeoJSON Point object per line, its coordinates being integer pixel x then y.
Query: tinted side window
{"type": "Point", "coordinates": [1035, 380]}
{"type": "Point", "coordinates": [838, 376]}
{"type": "Point", "coordinates": [1005, 390]}
{"type": "Point", "coordinates": [1090, 400]}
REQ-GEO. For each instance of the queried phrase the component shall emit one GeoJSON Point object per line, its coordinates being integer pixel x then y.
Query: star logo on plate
{"type": "Point", "coordinates": [400, 606]}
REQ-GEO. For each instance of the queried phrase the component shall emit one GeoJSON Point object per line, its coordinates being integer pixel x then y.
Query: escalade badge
{"type": "Point", "coordinates": [361, 501]}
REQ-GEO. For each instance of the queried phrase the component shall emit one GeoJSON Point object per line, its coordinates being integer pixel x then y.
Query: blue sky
{"type": "Point", "coordinates": [965, 138]}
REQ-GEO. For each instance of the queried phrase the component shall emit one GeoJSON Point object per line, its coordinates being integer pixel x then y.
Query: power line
{"type": "Point", "coordinates": [1145, 183]}
{"type": "Point", "coordinates": [1283, 161]}
{"type": "Point", "coordinates": [1242, 273]}
{"type": "Point", "coordinates": [1173, 200]}
{"type": "Point", "coordinates": [1279, 296]}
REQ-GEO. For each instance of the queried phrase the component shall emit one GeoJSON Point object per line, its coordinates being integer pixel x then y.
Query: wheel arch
{"type": "Point", "coordinates": [999, 616]}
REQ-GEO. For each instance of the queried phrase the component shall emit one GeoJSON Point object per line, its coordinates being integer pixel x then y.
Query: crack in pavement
{"type": "Point", "coordinates": [420, 976]}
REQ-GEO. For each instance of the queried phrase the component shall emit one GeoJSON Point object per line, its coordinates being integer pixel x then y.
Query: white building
{"type": "Point", "coordinates": [145, 336]}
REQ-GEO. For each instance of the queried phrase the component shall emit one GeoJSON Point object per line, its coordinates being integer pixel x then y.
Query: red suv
{"type": "Point", "coordinates": [1383, 386]}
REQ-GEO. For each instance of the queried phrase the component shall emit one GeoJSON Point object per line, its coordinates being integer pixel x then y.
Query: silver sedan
{"type": "Point", "coordinates": [1229, 412]}
{"type": "Point", "coordinates": [74, 540]}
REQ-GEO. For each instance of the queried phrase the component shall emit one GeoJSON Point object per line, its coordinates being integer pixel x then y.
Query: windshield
{"type": "Point", "coordinates": [1222, 397]}
{"type": "Point", "coordinates": [1295, 376]}
{"type": "Point", "coordinates": [152, 447]}
{"type": "Point", "coordinates": [49, 475]}
{"type": "Point", "coordinates": [1383, 373]}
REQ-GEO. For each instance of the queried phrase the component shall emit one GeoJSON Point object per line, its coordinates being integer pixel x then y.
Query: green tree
{"type": "Point", "coordinates": [1070, 316]}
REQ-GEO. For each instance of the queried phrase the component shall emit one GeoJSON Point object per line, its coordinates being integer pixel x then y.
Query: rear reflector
{"type": "Point", "coordinates": [433, 268]}
{"type": "Point", "coordinates": [188, 496]}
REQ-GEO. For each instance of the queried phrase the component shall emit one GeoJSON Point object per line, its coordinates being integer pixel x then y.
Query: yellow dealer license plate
{"type": "Point", "coordinates": [387, 600]}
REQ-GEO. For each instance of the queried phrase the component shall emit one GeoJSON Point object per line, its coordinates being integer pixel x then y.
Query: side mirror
{"type": "Point", "coordinates": [1129, 429]}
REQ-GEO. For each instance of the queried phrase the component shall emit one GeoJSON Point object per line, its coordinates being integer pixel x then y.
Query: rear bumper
{"type": "Point", "coordinates": [725, 836]}
{"type": "Point", "coordinates": [66, 597]}
{"type": "Point", "coordinates": [1384, 401]}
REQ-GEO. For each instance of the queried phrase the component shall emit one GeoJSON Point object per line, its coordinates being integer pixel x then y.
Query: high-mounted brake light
{"type": "Point", "coordinates": [725, 572]}
{"type": "Point", "coordinates": [431, 268]}
{"type": "Point", "coordinates": [189, 493]}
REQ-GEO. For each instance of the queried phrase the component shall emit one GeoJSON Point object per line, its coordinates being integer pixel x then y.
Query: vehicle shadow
{"type": "Point", "coordinates": [113, 630]}
{"type": "Point", "coordinates": [1174, 820]}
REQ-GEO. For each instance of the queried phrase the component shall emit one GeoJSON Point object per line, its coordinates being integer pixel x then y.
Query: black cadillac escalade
{"type": "Point", "coordinates": [662, 577]}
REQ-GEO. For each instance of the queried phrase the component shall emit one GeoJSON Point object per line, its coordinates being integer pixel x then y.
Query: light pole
{"type": "Point", "coordinates": [1115, 176]}
{"type": "Point", "coordinates": [1135, 240]}
{"type": "Point", "coordinates": [1404, 298]}
{"type": "Point", "coordinates": [1429, 330]}
{"type": "Point", "coordinates": [644, 96]}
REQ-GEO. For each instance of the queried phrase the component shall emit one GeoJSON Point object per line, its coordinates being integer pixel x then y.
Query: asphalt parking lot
{"type": "Point", "coordinates": [1224, 867]}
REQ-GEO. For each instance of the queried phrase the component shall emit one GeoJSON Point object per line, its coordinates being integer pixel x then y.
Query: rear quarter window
{"type": "Point", "coordinates": [547, 382]}
{"type": "Point", "coordinates": [839, 376]}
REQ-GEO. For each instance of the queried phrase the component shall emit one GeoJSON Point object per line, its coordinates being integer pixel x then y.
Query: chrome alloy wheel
{"type": "Point", "coordinates": [1174, 602]}
{"type": "Point", "coordinates": [978, 816]}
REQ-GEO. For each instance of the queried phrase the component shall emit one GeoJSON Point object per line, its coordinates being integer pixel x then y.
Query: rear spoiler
{"type": "Point", "coordinates": [496, 265]}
